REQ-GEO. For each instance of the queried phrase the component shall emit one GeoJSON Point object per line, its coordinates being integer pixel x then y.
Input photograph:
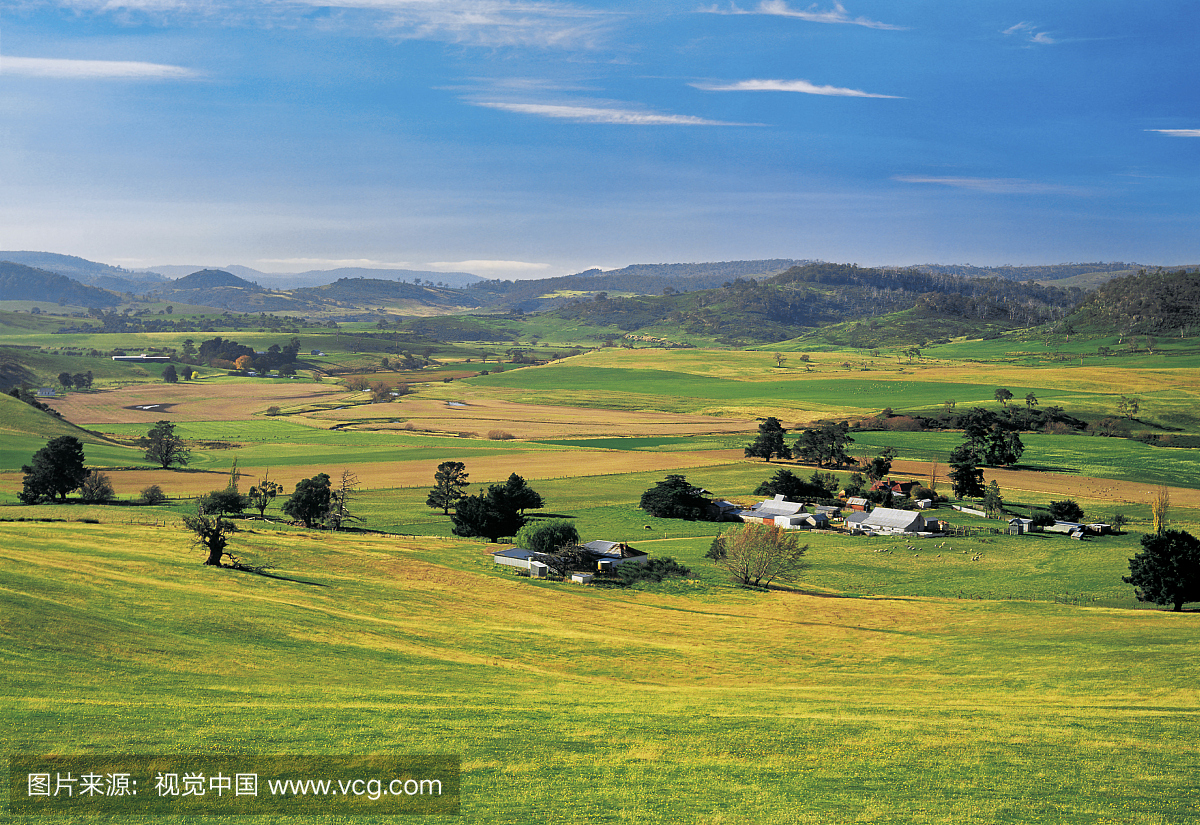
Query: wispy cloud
{"type": "Point", "coordinates": [801, 86]}
{"type": "Point", "coordinates": [62, 68]}
{"type": "Point", "coordinates": [487, 266]}
{"type": "Point", "coordinates": [337, 263]}
{"type": "Point", "coordinates": [1000, 186]}
{"type": "Point", "coordinates": [1177, 132]}
{"type": "Point", "coordinates": [492, 23]}
{"type": "Point", "coordinates": [812, 14]}
{"type": "Point", "coordinates": [1029, 32]}
{"type": "Point", "coordinates": [601, 114]}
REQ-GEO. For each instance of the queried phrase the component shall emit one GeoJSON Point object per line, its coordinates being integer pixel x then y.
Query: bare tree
{"type": "Point", "coordinates": [339, 501]}
{"type": "Point", "coordinates": [759, 554]}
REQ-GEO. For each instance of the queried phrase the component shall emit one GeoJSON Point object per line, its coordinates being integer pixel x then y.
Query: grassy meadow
{"type": "Point", "coordinates": [723, 706]}
{"type": "Point", "coordinates": [991, 679]}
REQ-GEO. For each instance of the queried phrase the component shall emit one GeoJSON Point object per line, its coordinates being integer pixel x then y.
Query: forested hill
{"type": "Point", "coordinates": [1148, 302]}
{"type": "Point", "coordinates": [806, 296]}
{"type": "Point", "coordinates": [25, 283]}
{"type": "Point", "coordinates": [373, 292]}
{"type": "Point", "coordinates": [640, 279]}
{"type": "Point", "coordinates": [1052, 272]}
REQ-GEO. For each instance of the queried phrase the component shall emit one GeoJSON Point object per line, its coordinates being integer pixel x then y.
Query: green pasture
{"type": "Point", "coordinates": [1095, 456]}
{"type": "Point", "coordinates": [650, 707]}
{"type": "Point", "coordinates": [584, 385]}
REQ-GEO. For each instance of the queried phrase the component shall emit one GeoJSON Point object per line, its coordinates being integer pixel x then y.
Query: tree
{"type": "Point", "coordinates": [1160, 507]}
{"type": "Point", "coordinates": [186, 373]}
{"type": "Point", "coordinates": [879, 466]}
{"type": "Point", "coordinates": [966, 479]}
{"type": "Point", "coordinates": [169, 374]}
{"type": "Point", "coordinates": [1167, 571]}
{"type": "Point", "coordinates": [547, 536]}
{"type": "Point", "coordinates": [993, 504]}
{"type": "Point", "coordinates": [769, 441]}
{"type": "Point", "coordinates": [489, 515]}
{"type": "Point", "coordinates": [1030, 401]}
{"type": "Point", "coordinates": [55, 470]}
{"type": "Point", "coordinates": [380, 392]}
{"type": "Point", "coordinates": [152, 495]}
{"type": "Point", "coordinates": [787, 484]}
{"type": "Point", "coordinates": [675, 497]}
{"type": "Point", "coordinates": [82, 380]}
{"type": "Point", "coordinates": [1128, 407]}
{"type": "Point", "coordinates": [212, 534]}
{"type": "Point", "coordinates": [825, 445]}
{"type": "Point", "coordinates": [224, 502]}
{"type": "Point", "coordinates": [65, 379]}
{"type": "Point", "coordinates": [1003, 396]}
{"type": "Point", "coordinates": [309, 502]}
{"type": "Point", "coordinates": [97, 488]}
{"type": "Point", "coordinates": [759, 554]}
{"type": "Point", "coordinates": [262, 494]}
{"type": "Point", "coordinates": [243, 362]}
{"type": "Point", "coordinates": [164, 447]}
{"type": "Point", "coordinates": [1066, 510]}
{"type": "Point", "coordinates": [1003, 447]}
{"type": "Point", "coordinates": [519, 495]}
{"type": "Point", "coordinates": [449, 481]}
{"type": "Point", "coordinates": [339, 501]}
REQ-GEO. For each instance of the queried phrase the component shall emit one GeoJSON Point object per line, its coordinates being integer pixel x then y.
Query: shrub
{"type": "Point", "coordinates": [547, 536]}
{"type": "Point", "coordinates": [1066, 510]}
{"type": "Point", "coordinates": [152, 495]}
{"type": "Point", "coordinates": [96, 488]}
{"type": "Point", "coordinates": [220, 502]}
{"type": "Point", "coordinates": [499, 435]}
{"type": "Point", "coordinates": [654, 570]}
{"type": "Point", "coordinates": [273, 410]}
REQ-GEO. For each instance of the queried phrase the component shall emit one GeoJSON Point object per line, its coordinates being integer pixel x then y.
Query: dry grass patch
{"type": "Point", "coordinates": [529, 421]}
{"type": "Point", "coordinates": [1054, 484]}
{"type": "Point", "coordinates": [384, 474]}
{"type": "Point", "coordinates": [205, 401]}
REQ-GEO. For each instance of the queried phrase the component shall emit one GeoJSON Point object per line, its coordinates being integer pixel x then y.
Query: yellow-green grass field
{"type": "Point", "coordinates": [985, 679]}
{"type": "Point", "coordinates": [579, 704]}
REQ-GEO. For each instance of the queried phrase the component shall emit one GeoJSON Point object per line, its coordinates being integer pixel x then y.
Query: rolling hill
{"type": "Point", "coordinates": [19, 282]}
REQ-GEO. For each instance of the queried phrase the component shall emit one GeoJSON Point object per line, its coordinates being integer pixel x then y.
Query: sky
{"type": "Point", "coordinates": [534, 138]}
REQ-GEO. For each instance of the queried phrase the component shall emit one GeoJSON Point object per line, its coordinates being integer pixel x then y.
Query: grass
{"type": "Point", "coordinates": [1017, 682]}
{"type": "Point", "coordinates": [728, 706]}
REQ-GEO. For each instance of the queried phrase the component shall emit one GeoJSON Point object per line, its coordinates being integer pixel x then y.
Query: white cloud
{"type": "Point", "coordinates": [813, 14]}
{"type": "Point", "coordinates": [1002, 186]}
{"type": "Point", "coordinates": [338, 263]}
{"type": "Point", "coordinates": [1030, 33]}
{"type": "Point", "coordinates": [802, 86]}
{"type": "Point", "coordinates": [486, 266]}
{"type": "Point", "coordinates": [495, 23]}
{"type": "Point", "coordinates": [602, 114]}
{"type": "Point", "coordinates": [1177, 132]}
{"type": "Point", "coordinates": [63, 68]}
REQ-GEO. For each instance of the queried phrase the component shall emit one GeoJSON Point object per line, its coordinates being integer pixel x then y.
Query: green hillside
{"type": "Point", "coordinates": [650, 707]}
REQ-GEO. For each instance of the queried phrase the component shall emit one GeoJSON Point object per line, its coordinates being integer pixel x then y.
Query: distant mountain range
{"type": "Point", "coordinates": [737, 300]}
{"type": "Point", "coordinates": [319, 277]}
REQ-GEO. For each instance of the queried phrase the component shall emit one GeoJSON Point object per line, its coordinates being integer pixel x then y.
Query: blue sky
{"type": "Point", "coordinates": [521, 138]}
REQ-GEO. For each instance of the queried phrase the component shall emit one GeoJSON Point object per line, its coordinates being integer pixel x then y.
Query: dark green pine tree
{"type": "Point", "coordinates": [1167, 571]}
{"type": "Point", "coordinates": [769, 442]}
{"type": "Point", "coordinates": [55, 470]}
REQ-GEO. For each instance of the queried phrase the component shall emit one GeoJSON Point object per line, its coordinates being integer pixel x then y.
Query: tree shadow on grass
{"type": "Point", "coordinates": [264, 571]}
